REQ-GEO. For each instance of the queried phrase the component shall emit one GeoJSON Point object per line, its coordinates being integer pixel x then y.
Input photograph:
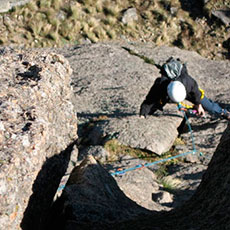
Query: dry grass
{"type": "Point", "coordinates": [116, 150]}
{"type": "Point", "coordinates": [55, 22]}
{"type": "Point", "coordinates": [170, 184]}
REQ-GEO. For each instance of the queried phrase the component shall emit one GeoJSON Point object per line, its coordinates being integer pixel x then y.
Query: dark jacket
{"type": "Point", "coordinates": [158, 96]}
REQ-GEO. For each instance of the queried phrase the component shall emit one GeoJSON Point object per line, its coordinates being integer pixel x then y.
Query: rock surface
{"type": "Point", "coordinates": [6, 5]}
{"type": "Point", "coordinates": [113, 79]}
{"type": "Point", "coordinates": [129, 16]}
{"type": "Point", "coordinates": [37, 122]}
{"type": "Point", "coordinates": [223, 15]}
{"type": "Point", "coordinates": [92, 200]}
{"type": "Point", "coordinates": [109, 81]}
{"type": "Point", "coordinates": [128, 131]}
{"type": "Point", "coordinates": [106, 202]}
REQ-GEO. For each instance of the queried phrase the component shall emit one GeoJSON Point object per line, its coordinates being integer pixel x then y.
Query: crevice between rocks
{"type": "Point", "coordinates": [44, 189]}
{"type": "Point", "coordinates": [144, 58]}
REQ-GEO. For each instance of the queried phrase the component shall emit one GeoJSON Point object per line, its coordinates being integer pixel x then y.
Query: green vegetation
{"type": "Point", "coordinates": [169, 184]}
{"type": "Point", "coordinates": [54, 23]}
{"type": "Point", "coordinates": [146, 59]}
{"type": "Point", "coordinates": [116, 150]}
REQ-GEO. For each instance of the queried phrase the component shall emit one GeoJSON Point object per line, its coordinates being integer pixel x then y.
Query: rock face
{"type": "Point", "coordinates": [108, 80]}
{"type": "Point", "coordinates": [223, 15]}
{"type": "Point", "coordinates": [37, 122]}
{"type": "Point", "coordinates": [113, 79]}
{"type": "Point", "coordinates": [92, 200]}
{"type": "Point", "coordinates": [90, 189]}
{"type": "Point", "coordinates": [129, 16]}
{"type": "Point", "coordinates": [6, 5]}
{"type": "Point", "coordinates": [128, 131]}
{"type": "Point", "coordinates": [38, 129]}
{"type": "Point", "coordinates": [207, 208]}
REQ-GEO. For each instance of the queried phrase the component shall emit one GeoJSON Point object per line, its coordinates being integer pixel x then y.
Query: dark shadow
{"type": "Point", "coordinates": [226, 45]}
{"type": "Point", "coordinates": [33, 73]}
{"type": "Point", "coordinates": [115, 114]}
{"type": "Point", "coordinates": [120, 114]}
{"type": "Point", "coordinates": [194, 7]}
{"type": "Point", "coordinates": [224, 105]}
{"type": "Point", "coordinates": [44, 190]}
{"type": "Point", "coordinates": [171, 114]}
{"type": "Point", "coordinates": [193, 176]}
{"type": "Point", "coordinates": [198, 128]}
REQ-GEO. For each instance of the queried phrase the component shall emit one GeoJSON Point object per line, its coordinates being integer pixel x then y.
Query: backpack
{"type": "Point", "coordinates": [172, 68]}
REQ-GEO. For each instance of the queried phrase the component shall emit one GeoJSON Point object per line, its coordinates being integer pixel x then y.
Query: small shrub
{"type": "Point", "coordinates": [92, 22]}
{"type": "Point", "coordinates": [91, 36]}
{"type": "Point", "coordinates": [53, 36]}
{"type": "Point", "coordinates": [32, 6]}
{"type": "Point", "coordinates": [110, 10]}
{"type": "Point", "coordinates": [35, 27]}
{"type": "Point", "coordinates": [56, 4]}
{"type": "Point", "coordinates": [117, 149]}
{"type": "Point", "coordinates": [74, 11]}
{"type": "Point", "coordinates": [99, 6]}
{"type": "Point", "coordinates": [100, 32]}
{"type": "Point", "coordinates": [111, 33]}
{"type": "Point", "coordinates": [170, 184]}
{"type": "Point", "coordinates": [46, 4]}
{"type": "Point", "coordinates": [161, 171]}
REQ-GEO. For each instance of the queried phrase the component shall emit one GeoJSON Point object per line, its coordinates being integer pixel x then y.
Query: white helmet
{"type": "Point", "coordinates": [176, 91]}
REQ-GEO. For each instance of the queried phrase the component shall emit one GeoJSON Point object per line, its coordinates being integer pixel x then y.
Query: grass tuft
{"type": "Point", "coordinates": [156, 24]}
{"type": "Point", "coordinates": [170, 184]}
{"type": "Point", "coordinates": [116, 149]}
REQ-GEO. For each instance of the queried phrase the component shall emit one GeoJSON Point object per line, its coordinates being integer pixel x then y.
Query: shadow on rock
{"type": "Point", "coordinates": [92, 200]}
{"type": "Point", "coordinates": [44, 190]}
{"type": "Point", "coordinates": [116, 114]}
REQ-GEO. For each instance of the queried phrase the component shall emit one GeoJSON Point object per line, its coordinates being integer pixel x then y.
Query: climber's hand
{"type": "Point", "coordinates": [200, 110]}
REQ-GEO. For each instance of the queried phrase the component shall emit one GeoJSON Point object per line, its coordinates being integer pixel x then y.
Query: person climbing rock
{"type": "Point", "coordinates": [175, 85]}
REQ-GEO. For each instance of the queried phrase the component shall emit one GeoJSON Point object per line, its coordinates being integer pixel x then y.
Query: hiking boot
{"type": "Point", "coordinates": [226, 115]}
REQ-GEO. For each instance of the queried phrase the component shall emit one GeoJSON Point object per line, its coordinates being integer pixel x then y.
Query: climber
{"type": "Point", "coordinates": [163, 92]}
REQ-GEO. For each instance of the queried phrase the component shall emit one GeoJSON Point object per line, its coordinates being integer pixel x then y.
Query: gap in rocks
{"type": "Point", "coordinates": [44, 189]}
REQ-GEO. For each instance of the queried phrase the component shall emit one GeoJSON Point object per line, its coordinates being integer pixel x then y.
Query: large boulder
{"type": "Point", "coordinates": [37, 122]}
{"type": "Point", "coordinates": [6, 5]}
{"type": "Point", "coordinates": [140, 133]}
{"type": "Point", "coordinates": [92, 199]}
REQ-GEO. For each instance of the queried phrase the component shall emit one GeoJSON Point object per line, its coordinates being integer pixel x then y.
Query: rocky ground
{"type": "Point", "coordinates": [92, 200]}
{"type": "Point", "coordinates": [108, 83]}
{"type": "Point", "coordinates": [105, 77]}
